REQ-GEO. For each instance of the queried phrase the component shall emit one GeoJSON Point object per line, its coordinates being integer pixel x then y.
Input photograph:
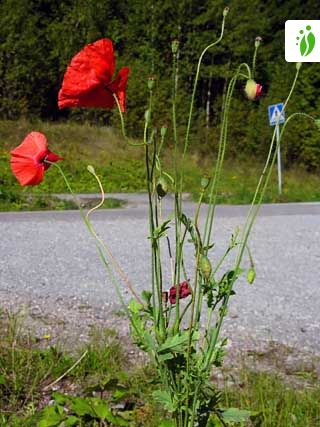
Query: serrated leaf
{"type": "Point", "coordinates": [81, 407]}
{"type": "Point", "coordinates": [71, 421]}
{"type": "Point", "coordinates": [175, 343]}
{"type": "Point", "coordinates": [50, 417]}
{"type": "Point", "coordinates": [134, 306]}
{"type": "Point", "coordinates": [100, 408]}
{"type": "Point", "coordinates": [164, 399]}
{"type": "Point", "coordinates": [235, 415]}
{"type": "Point", "coordinates": [59, 398]}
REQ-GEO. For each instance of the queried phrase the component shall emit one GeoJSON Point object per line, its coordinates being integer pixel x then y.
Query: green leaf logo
{"type": "Point", "coordinates": [306, 40]}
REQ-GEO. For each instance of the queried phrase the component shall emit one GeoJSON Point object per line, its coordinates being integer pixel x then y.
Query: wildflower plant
{"type": "Point", "coordinates": [166, 318]}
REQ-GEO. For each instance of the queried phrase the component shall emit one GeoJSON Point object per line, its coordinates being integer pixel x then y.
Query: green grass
{"type": "Point", "coordinates": [28, 365]}
{"type": "Point", "coordinates": [278, 404]}
{"type": "Point", "coordinates": [121, 168]}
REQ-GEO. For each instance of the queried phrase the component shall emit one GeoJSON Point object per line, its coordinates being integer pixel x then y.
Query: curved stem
{"type": "Point", "coordinates": [247, 228]}
{"type": "Point", "coordinates": [123, 128]}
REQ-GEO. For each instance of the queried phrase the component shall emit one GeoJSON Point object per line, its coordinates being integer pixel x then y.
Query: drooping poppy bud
{"type": "Point", "coordinates": [29, 160]}
{"type": "Point", "coordinates": [205, 267]}
{"type": "Point", "coordinates": [251, 275]}
{"type": "Point", "coordinates": [252, 89]}
{"type": "Point", "coordinates": [162, 187]}
{"type": "Point", "coordinates": [205, 181]}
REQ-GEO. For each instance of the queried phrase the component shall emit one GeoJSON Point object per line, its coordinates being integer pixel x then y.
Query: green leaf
{"type": "Point", "coordinates": [164, 399]}
{"type": "Point", "coordinates": [146, 296]}
{"type": "Point", "coordinates": [81, 407]}
{"type": "Point", "coordinates": [135, 307]}
{"type": "Point", "coordinates": [50, 417]}
{"type": "Point", "coordinates": [71, 421]}
{"type": "Point", "coordinates": [101, 408]}
{"type": "Point", "coordinates": [3, 380]}
{"type": "Point", "coordinates": [175, 343]}
{"type": "Point", "coordinates": [235, 415]}
{"type": "Point", "coordinates": [166, 423]}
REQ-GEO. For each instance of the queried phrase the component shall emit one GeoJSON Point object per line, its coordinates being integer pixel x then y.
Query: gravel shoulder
{"type": "Point", "coordinates": [51, 273]}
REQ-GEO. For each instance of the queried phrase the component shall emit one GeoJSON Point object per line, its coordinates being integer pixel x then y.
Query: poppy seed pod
{"type": "Point", "coordinates": [175, 46]}
{"type": "Point", "coordinates": [163, 131]}
{"type": "Point", "coordinates": [252, 89]}
{"type": "Point", "coordinates": [162, 187]}
{"type": "Point", "coordinates": [226, 11]}
{"type": "Point", "coordinates": [147, 116]}
{"type": "Point", "coordinates": [257, 41]}
{"type": "Point", "coordinates": [151, 82]}
{"type": "Point", "coordinates": [251, 275]}
{"type": "Point", "coordinates": [298, 65]}
{"type": "Point", "coordinates": [205, 267]}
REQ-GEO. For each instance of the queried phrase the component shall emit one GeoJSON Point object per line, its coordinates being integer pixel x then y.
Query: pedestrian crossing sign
{"type": "Point", "coordinates": [276, 114]}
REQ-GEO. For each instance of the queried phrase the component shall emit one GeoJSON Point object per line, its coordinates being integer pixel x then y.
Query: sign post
{"type": "Point", "coordinates": [276, 117]}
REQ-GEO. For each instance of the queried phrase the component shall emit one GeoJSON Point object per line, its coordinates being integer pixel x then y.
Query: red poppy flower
{"type": "Point", "coordinates": [28, 159]}
{"type": "Point", "coordinates": [184, 292]}
{"type": "Point", "coordinates": [88, 79]}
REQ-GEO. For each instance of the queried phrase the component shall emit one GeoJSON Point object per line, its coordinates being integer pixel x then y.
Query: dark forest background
{"type": "Point", "coordinates": [38, 39]}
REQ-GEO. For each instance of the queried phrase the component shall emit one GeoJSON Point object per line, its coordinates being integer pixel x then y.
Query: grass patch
{"type": "Point", "coordinates": [121, 168]}
{"type": "Point", "coordinates": [106, 377]}
{"type": "Point", "coordinates": [277, 403]}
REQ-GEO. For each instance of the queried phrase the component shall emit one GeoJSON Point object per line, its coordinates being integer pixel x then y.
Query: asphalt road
{"type": "Point", "coordinates": [48, 260]}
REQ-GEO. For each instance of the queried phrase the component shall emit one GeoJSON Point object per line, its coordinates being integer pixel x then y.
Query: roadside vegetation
{"type": "Point", "coordinates": [121, 169]}
{"type": "Point", "coordinates": [108, 388]}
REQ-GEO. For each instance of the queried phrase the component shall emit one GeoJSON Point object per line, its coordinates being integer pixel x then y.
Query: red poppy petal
{"type": "Point", "coordinates": [101, 58]}
{"type": "Point", "coordinates": [93, 66]}
{"type": "Point", "coordinates": [34, 146]}
{"type": "Point", "coordinates": [119, 85]}
{"type": "Point", "coordinates": [26, 171]}
{"type": "Point", "coordinates": [97, 97]}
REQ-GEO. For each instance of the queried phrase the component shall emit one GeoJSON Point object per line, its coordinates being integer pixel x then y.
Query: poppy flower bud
{"type": "Point", "coordinates": [225, 11]}
{"type": "Point", "coordinates": [205, 267]}
{"type": "Point", "coordinates": [163, 131]}
{"type": "Point", "coordinates": [91, 169]}
{"type": "Point", "coordinates": [257, 41]}
{"type": "Point", "coordinates": [151, 82]}
{"type": "Point", "coordinates": [204, 182]}
{"type": "Point", "coordinates": [162, 187]}
{"type": "Point", "coordinates": [147, 116]}
{"type": "Point", "coordinates": [252, 89]}
{"type": "Point", "coordinates": [298, 65]}
{"type": "Point", "coordinates": [175, 46]}
{"type": "Point", "coordinates": [251, 275]}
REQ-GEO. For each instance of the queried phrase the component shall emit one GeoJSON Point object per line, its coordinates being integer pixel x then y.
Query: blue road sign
{"type": "Point", "coordinates": [276, 115]}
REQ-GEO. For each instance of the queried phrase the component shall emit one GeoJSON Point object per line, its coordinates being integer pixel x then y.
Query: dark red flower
{"type": "Point", "coordinates": [88, 79]}
{"type": "Point", "coordinates": [184, 292]}
{"type": "Point", "coordinates": [28, 159]}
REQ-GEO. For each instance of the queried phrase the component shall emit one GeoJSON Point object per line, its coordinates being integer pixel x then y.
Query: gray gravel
{"type": "Point", "coordinates": [49, 266]}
